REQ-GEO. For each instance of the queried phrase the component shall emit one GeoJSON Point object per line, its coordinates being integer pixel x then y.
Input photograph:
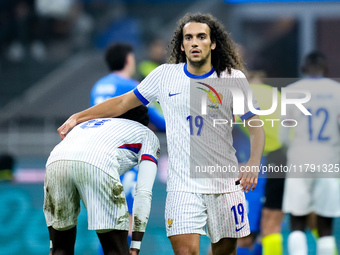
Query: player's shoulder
{"type": "Point", "coordinates": [106, 79]}
{"type": "Point", "coordinates": [164, 71]}
{"type": "Point", "coordinates": [235, 73]}
{"type": "Point", "coordinates": [317, 83]}
{"type": "Point", "coordinates": [301, 83]}
{"type": "Point", "coordinates": [172, 67]}
{"type": "Point", "coordinates": [331, 87]}
{"type": "Point", "coordinates": [332, 83]}
{"type": "Point", "coordinates": [151, 136]}
{"type": "Point", "coordinates": [106, 84]}
{"type": "Point", "coordinates": [128, 123]}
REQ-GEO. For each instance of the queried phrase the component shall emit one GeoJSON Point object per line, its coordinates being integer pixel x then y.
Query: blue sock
{"type": "Point", "coordinates": [257, 249]}
{"type": "Point", "coordinates": [243, 251]}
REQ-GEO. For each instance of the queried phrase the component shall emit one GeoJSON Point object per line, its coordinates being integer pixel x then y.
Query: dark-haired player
{"type": "Point", "coordinates": [86, 166]}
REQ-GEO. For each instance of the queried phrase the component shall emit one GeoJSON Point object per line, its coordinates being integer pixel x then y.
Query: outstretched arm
{"type": "Point", "coordinates": [110, 108]}
{"type": "Point", "coordinates": [142, 204]}
{"type": "Point", "coordinates": [249, 173]}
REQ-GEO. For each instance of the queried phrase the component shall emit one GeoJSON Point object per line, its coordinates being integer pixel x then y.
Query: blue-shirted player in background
{"type": "Point", "coordinates": [120, 59]}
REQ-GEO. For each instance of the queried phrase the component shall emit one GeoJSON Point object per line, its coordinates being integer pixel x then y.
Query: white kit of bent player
{"type": "Point", "coordinates": [316, 142]}
{"type": "Point", "coordinates": [119, 139]}
{"type": "Point", "coordinates": [87, 165]}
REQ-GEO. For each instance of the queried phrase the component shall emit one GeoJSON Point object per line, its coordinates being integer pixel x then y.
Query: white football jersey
{"type": "Point", "coordinates": [123, 144]}
{"type": "Point", "coordinates": [316, 137]}
{"type": "Point", "coordinates": [192, 138]}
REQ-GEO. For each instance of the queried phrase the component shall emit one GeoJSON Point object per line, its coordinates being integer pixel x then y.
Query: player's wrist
{"type": "Point", "coordinates": [135, 245]}
{"type": "Point", "coordinates": [79, 117]}
{"type": "Point", "coordinates": [254, 161]}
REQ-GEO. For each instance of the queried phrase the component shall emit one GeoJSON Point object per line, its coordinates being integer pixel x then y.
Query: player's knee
{"type": "Point", "coordinates": [226, 246]}
{"type": "Point", "coordinates": [270, 225]}
{"type": "Point", "coordinates": [186, 250]}
{"type": "Point", "coordinates": [187, 244]}
{"type": "Point", "coordinates": [245, 242]}
{"type": "Point", "coordinates": [65, 228]}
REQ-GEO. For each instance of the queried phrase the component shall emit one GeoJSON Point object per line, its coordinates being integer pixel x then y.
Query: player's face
{"type": "Point", "coordinates": [197, 43]}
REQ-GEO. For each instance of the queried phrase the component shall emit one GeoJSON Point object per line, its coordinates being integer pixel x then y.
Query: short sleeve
{"type": "Point", "coordinates": [147, 90]}
{"type": "Point", "coordinates": [242, 83]}
{"type": "Point", "coordinates": [150, 148]}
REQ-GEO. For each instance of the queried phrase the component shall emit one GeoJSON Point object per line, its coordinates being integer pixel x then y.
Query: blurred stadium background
{"type": "Point", "coordinates": [52, 53]}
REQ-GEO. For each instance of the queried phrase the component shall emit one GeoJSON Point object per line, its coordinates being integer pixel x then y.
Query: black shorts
{"type": "Point", "coordinates": [275, 180]}
{"type": "Point", "coordinates": [273, 193]}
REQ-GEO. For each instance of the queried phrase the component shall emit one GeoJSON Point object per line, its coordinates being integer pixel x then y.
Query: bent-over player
{"type": "Point", "coordinates": [86, 166]}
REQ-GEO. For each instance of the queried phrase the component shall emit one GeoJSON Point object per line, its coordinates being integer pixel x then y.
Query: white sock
{"type": "Point", "coordinates": [297, 243]}
{"type": "Point", "coordinates": [326, 245]}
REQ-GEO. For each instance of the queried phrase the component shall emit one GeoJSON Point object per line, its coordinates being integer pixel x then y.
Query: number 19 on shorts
{"type": "Point", "coordinates": [238, 212]}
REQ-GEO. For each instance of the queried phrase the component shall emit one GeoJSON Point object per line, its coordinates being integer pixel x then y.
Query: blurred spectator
{"type": "Point", "coordinates": [55, 9]}
{"type": "Point", "coordinates": [27, 26]}
{"type": "Point", "coordinates": [20, 20]}
{"type": "Point", "coordinates": [6, 168]}
{"type": "Point", "coordinates": [156, 57]}
{"type": "Point", "coordinates": [82, 27]}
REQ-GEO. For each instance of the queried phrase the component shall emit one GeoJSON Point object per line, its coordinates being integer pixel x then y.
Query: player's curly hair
{"type": "Point", "coordinates": [139, 114]}
{"type": "Point", "coordinates": [225, 56]}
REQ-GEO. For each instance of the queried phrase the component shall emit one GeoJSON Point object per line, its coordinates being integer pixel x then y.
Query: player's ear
{"type": "Point", "coordinates": [213, 45]}
{"type": "Point", "coordinates": [182, 47]}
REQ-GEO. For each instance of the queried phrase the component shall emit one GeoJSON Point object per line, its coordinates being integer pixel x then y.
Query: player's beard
{"type": "Point", "coordinates": [198, 63]}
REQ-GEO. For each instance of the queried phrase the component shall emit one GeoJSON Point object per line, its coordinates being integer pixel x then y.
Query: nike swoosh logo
{"type": "Point", "coordinates": [238, 229]}
{"type": "Point", "coordinates": [170, 95]}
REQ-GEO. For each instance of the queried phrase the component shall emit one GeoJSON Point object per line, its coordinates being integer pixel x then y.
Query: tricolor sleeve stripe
{"type": "Point", "coordinates": [248, 115]}
{"type": "Point", "coordinates": [135, 147]}
{"type": "Point", "coordinates": [149, 157]}
{"type": "Point", "coordinates": [140, 97]}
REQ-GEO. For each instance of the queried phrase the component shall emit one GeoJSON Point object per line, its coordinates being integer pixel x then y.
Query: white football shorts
{"type": "Point", "coordinates": [66, 182]}
{"type": "Point", "coordinates": [305, 195]}
{"type": "Point", "coordinates": [221, 215]}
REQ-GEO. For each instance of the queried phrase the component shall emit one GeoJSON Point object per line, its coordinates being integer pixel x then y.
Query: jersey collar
{"type": "Point", "coordinates": [190, 75]}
